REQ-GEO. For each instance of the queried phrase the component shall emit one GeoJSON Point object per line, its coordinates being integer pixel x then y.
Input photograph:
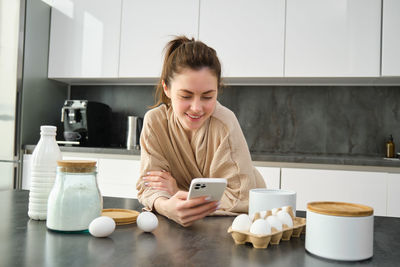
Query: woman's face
{"type": "Point", "coordinates": [193, 95]}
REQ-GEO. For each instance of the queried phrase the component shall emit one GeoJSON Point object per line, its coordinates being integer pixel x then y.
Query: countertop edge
{"type": "Point", "coordinates": [334, 162]}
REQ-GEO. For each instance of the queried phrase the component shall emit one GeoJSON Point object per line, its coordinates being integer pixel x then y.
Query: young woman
{"type": "Point", "coordinates": [190, 135]}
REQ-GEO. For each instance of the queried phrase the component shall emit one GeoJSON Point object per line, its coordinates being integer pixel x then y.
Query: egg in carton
{"type": "Point", "coordinates": [267, 227]}
{"type": "Point", "coordinates": [298, 226]}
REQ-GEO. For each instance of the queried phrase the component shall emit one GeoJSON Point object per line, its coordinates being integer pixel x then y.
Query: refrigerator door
{"type": "Point", "coordinates": [6, 175]}
{"type": "Point", "coordinates": [9, 30]}
{"type": "Point", "coordinates": [7, 131]}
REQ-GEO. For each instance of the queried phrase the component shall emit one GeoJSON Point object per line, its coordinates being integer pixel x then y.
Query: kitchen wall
{"type": "Point", "coordinates": [321, 120]}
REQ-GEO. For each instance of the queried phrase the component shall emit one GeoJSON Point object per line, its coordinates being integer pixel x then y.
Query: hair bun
{"type": "Point", "coordinates": [175, 43]}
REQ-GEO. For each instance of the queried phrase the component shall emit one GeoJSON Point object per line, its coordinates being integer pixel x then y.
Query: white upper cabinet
{"type": "Point", "coordinates": [84, 38]}
{"type": "Point", "coordinates": [146, 28]}
{"type": "Point", "coordinates": [391, 38]}
{"type": "Point", "coordinates": [247, 35]}
{"type": "Point", "coordinates": [333, 38]}
{"type": "Point", "coordinates": [253, 39]}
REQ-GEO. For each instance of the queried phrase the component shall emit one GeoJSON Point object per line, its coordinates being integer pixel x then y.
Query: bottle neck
{"type": "Point", "coordinates": [47, 138]}
{"type": "Point", "coordinates": [48, 135]}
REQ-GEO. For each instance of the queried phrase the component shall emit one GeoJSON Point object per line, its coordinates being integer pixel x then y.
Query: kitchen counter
{"type": "Point", "coordinates": [286, 160]}
{"type": "Point", "coordinates": [328, 159]}
{"type": "Point", "coordinates": [98, 150]}
{"type": "Point", "coordinates": [26, 242]}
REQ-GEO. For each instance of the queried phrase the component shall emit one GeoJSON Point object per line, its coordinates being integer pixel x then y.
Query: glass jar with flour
{"type": "Point", "coordinates": [75, 200]}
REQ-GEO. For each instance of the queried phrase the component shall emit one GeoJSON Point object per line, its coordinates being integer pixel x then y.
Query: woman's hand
{"type": "Point", "coordinates": [183, 211]}
{"type": "Point", "coordinates": [161, 180]}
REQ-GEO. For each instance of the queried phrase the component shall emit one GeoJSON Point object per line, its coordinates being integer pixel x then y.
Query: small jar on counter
{"type": "Point", "coordinates": [390, 151]}
{"type": "Point", "coordinates": [75, 200]}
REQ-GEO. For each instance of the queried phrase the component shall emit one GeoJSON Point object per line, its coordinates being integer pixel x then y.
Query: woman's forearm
{"type": "Point", "coordinates": [159, 205]}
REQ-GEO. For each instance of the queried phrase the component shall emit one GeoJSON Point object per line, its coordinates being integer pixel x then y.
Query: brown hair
{"type": "Point", "coordinates": [182, 53]}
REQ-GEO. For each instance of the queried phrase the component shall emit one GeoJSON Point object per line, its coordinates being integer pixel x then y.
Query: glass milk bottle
{"type": "Point", "coordinates": [75, 200]}
{"type": "Point", "coordinates": [43, 172]}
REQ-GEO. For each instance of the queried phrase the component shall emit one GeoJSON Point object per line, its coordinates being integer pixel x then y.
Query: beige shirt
{"type": "Point", "coordinates": [218, 149]}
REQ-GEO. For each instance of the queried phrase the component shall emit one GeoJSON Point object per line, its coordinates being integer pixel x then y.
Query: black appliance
{"type": "Point", "coordinates": [87, 122]}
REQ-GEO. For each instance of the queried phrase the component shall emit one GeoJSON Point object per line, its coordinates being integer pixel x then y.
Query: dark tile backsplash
{"type": "Point", "coordinates": [124, 101]}
{"type": "Point", "coordinates": [323, 120]}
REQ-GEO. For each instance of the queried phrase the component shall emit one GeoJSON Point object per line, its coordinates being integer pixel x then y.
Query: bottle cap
{"type": "Point", "coordinates": [48, 130]}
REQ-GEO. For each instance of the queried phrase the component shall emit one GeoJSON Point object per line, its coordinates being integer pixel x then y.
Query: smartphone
{"type": "Point", "coordinates": [210, 187]}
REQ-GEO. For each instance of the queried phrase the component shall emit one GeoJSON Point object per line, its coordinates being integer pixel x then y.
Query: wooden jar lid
{"type": "Point", "coordinates": [121, 216]}
{"type": "Point", "coordinates": [340, 209]}
{"type": "Point", "coordinates": [77, 165]}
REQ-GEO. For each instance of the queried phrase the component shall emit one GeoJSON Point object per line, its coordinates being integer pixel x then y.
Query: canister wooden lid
{"type": "Point", "coordinates": [77, 165]}
{"type": "Point", "coordinates": [340, 209]}
{"type": "Point", "coordinates": [121, 216]}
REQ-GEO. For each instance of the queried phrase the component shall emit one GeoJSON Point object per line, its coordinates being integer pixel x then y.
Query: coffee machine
{"type": "Point", "coordinates": [87, 122]}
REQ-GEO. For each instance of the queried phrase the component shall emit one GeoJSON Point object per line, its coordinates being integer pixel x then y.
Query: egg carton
{"type": "Point", "coordinates": [262, 241]}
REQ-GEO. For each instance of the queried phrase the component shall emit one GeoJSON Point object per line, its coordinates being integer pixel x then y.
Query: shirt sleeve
{"type": "Point", "coordinates": [232, 161]}
{"type": "Point", "coordinates": [151, 160]}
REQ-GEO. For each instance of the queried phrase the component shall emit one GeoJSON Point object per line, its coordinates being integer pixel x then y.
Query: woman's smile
{"type": "Point", "coordinates": [194, 117]}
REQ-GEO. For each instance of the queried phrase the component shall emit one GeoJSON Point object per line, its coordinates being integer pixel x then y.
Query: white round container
{"type": "Point", "coordinates": [340, 231]}
{"type": "Point", "coordinates": [262, 199]}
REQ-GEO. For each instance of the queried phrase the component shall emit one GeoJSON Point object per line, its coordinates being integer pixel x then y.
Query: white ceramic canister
{"type": "Point", "coordinates": [75, 200]}
{"type": "Point", "coordinates": [262, 199]}
{"type": "Point", "coordinates": [340, 231]}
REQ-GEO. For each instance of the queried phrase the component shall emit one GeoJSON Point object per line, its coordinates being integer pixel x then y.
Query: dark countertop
{"type": "Point", "coordinates": [286, 158]}
{"type": "Point", "coordinates": [26, 242]}
{"type": "Point", "coordinates": [328, 159]}
{"type": "Point", "coordinates": [98, 150]}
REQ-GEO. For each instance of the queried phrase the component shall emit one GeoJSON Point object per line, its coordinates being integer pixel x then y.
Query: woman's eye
{"type": "Point", "coordinates": [189, 97]}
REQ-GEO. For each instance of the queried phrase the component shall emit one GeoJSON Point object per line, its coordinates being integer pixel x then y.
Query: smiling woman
{"type": "Point", "coordinates": [188, 135]}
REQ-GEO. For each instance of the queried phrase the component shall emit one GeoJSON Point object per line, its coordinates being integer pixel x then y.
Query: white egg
{"type": "Point", "coordinates": [263, 213]}
{"type": "Point", "coordinates": [275, 211]}
{"type": "Point", "coordinates": [241, 223]}
{"type": "Point", "coordinates": [260, 227]}
{"type": "Point", "coordinates": [147, 221]}
{"type": "Point", "coordinates": [287, 208]}
{"type": "Point", "coordinates": [275, 222]}
{"type": "Point", "coordinates": [102, 226]}
{"type": "Point", "coordinates": [251, 216]}
{"type": "Point", "coordinates": [285, 218]}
